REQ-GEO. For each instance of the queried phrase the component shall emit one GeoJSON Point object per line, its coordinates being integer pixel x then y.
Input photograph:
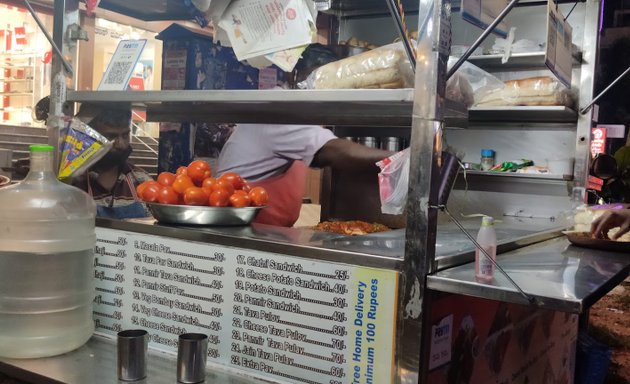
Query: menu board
{"type": "Point", "coordinates": [280, 317]}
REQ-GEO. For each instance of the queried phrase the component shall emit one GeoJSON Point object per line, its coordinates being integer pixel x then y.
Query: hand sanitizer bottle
{"type": "Point", "coordinates": [487, 238]}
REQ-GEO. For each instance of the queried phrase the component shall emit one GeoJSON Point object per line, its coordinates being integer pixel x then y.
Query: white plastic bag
{"type": "Point", "coordinates": [481, 82]}
{"type": "Point", "coordinates": [393, 182]}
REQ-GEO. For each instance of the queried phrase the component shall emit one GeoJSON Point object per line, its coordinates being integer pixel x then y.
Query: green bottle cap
{"type": "Point", "coordinates": [41, 148]}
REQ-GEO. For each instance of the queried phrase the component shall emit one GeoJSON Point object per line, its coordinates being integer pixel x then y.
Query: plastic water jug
{"type": "Point", "coordinates": [47, 241]}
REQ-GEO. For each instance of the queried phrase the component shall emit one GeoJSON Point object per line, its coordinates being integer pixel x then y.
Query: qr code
{"type": "Point", "coordinates": [118, 72]}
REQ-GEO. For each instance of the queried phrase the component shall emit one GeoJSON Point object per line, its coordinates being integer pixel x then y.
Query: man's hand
{"type": "Point", "coordinates": [611, 219]}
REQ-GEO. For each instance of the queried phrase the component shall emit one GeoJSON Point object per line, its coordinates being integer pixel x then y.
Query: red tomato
{"type": "Point", "coordinates": [246, 187]}
{"type": "Point", "coordinates": [259, 196]}
{"type": "Point", "coordinates": [166, 178]}
{"type": "Point", "coordinates": [234, 178]}
{"type": "Point", "coordinates": [195, 196]}
{"type": "Point", "coordinates": [219, 198]}
{"type": "Point", "coordinates": [223, 184]}
{"type": "Point", "coordinates": [208, 184]}
{"type": "Point", "coordinates": [239, 200]}
{"type": "Point", "coordinates": [168, 196]}
{"type": "Point", "coordinates": [181, 170]}
{"type": "Point", "coordinates": [152, 193]}
{"type": "Point", "coordinates": [240, 192]}
{"type": "Point", "coordinates": [197, 170]}
{"type": "Point", "coordinates": [182, 183]}
{"type": "Point", "coordinates": [142, 186]}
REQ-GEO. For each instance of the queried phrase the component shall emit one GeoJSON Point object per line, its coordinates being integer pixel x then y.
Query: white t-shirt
{"type": "Point", "coordinates": [259, 151]}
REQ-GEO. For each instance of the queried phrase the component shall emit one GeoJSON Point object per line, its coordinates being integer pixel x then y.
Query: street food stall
{"type": "Point", "coordinates": [300, 305]}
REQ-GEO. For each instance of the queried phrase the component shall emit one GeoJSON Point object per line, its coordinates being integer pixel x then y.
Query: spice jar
{"type": "Point", "coordinates": [487, 159]}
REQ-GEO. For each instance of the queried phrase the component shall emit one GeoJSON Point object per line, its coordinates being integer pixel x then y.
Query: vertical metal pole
{"type": "Point", "coordinates": [66, 13]}
{"type": "Point", "coordinates": [432, 56]}
{"type": "Point", "coordinates": [586, 86]}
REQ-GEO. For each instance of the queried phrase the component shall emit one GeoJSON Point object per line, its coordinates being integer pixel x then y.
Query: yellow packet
{"type": "Point", "coordinates": [81, 148]}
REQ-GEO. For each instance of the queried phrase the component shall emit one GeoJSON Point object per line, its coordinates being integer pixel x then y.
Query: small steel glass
{"type": "Point", "coordinates": [192, 353]}
{"type": "Point", "coordinates": [132, 354]}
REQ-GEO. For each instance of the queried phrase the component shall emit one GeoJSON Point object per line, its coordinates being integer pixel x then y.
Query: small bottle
{"type": "Point", "coordinates": [487, 159]}
{"type": "Point", "coordinates": [487, 238]}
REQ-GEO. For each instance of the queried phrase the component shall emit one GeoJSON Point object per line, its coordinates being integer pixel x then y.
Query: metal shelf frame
{"type": "Point", "coordinates": [427, 107]}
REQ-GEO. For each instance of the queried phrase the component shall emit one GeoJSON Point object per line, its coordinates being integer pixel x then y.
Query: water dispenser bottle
{"type": "Point", "coordinates": [47, 241]}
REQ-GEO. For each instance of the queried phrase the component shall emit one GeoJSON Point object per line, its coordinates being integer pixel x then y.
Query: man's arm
{"type": "Point", "coordinates": [345, 155]}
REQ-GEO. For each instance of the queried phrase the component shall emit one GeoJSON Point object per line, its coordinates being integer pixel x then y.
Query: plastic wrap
{"type": "Point", "coordinates": [81, 148]}
{"type": "Point", "coordinates": [472, 82]}
{"type": "Point", "coordinates": [388, 67]}
{"type": "Point", "coordinates": [531, 91]}
{"type": "Point", "coordinates": [393, 182]}
{"type": "Point", "coordinates": [383, 67]}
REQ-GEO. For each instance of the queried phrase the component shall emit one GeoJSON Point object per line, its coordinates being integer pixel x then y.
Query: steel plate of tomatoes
{"type": "Point", "coordinates": [194, 188]}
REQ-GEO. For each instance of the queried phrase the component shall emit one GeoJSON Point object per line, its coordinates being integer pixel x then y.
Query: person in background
{"type": "Point", "coordinates": [112, 181]}
{"type": "Point", "coordinates": [609, 220]}
{"type": "Point", "coordinates": [276, 157]}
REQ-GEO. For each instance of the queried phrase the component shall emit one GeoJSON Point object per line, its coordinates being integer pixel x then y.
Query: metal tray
{"type": "Point", "coordinates": [197, 215]}
{"type": "Point", "coordinates": [584, 239]}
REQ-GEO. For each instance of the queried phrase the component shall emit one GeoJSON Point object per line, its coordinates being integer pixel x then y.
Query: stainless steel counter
{"type": "Point", "coordinates": [560, 275]}
{"type": "Point", "coordinates": [95, 362]}
{"type": "Point", "coordinates": [380, 250]}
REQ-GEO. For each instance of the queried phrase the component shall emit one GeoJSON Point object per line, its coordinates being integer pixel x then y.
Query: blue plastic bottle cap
{"type": "Point", "coordinates": [487, 153]}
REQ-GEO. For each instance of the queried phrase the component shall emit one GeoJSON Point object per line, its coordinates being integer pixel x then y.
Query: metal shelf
{"type": "Point", "coordinates": [562, 277]}
{"type": "Point", "coordinates": [358, 107]}
{"type": "Point", "coordinates": [525, 60]}
{"type": "Point", "coordinates": [521, 114]}
{"type": "Point", "coordinates": [515, 175]}
{"type": "Point", "coordinates": [154, 10]}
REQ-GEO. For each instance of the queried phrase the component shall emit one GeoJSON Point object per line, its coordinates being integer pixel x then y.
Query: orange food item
{"type": "Point", "coordinates": [181, 170]}
{"type": "Point", "coordinates": [219, 198]}
{"type": "Point", "coordinates": [234, 179]}
{"type": "Point", "coordinates": [223, 184]}
{"type": "Point", "coordinates": [166, 178]}
{"type": "Point", "coordinates": [151, 193]}
{"type": "Point", "coordinates": [352, 227]}
{"type": "Point", "coordinates": [182, 183]}
{"type": "Point", "coordinates": [208, 184]}
{"type": "Point", "coordinates": [240, 192]}
{"type": "Point", "coordinates": [168, 196]}
{"type": "Point", "coordinates": [259, 196]}
{"type": "Point", "coordinates": [143, 186]}
{"type": "Point", "coordinates": [239, 200]}
{"type": "Point", "coordinates": [198, 170]}
{"type": "Point", "coordinates": [195, 196]}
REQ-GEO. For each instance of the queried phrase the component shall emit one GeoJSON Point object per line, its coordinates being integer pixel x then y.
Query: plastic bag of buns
{"type": "Point", "coordinates": [532, 91]}
{"type": "Point", "coordinates": [383, 67]}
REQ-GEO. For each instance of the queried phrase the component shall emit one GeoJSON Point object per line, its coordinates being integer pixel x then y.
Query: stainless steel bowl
{"type": "Point", "coordinates": [195, 215]}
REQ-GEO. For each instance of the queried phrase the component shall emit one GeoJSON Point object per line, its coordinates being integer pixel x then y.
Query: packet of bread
{"type": "Point", "coordinates": [532, 91]}
{"type": "Point", "coordinates": [383, 67]}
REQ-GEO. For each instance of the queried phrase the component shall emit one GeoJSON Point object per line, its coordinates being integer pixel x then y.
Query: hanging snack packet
{"type": "Point", "coordinates": [81, 148]}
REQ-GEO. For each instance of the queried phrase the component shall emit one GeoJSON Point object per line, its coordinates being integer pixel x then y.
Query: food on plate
{"type": "Point", "coordinates": [352, 227]}
{"type": "Point", "coordinates": [532, 91]}
{"type": "Point", "coordinates": [584, 217]}
{"type": "Point", "coordinates": [194, 185]}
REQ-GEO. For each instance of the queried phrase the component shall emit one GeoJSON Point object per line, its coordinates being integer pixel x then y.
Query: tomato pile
{"type": "Point", "coordinates": [194, 185]}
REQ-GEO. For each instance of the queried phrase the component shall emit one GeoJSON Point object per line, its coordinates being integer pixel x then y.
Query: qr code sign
{"type": "Point", "coordinates": [118, 72]}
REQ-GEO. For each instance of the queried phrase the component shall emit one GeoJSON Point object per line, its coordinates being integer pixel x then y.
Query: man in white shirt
{"type": "Point", "coordinates": [276, 157]}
